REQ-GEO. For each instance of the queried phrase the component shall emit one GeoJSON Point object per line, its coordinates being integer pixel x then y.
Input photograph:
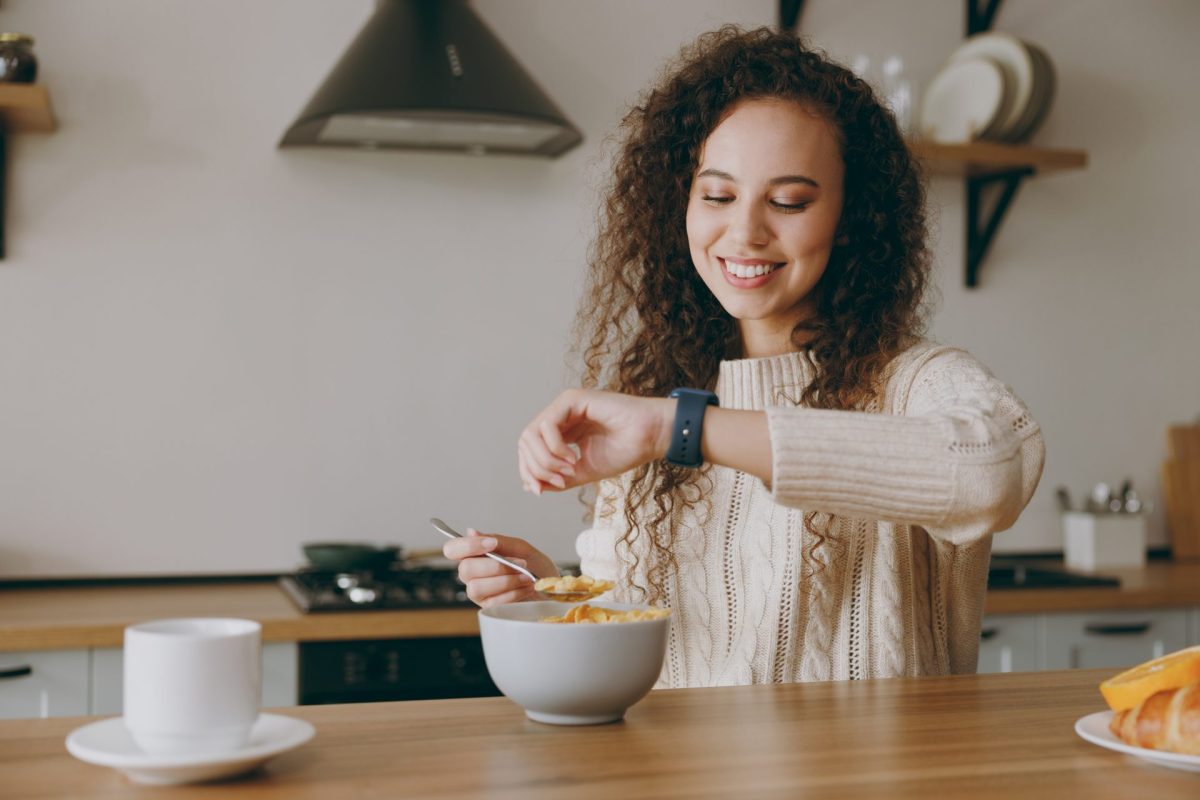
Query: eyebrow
{"type": "Point", "coordinates": [782, 179]}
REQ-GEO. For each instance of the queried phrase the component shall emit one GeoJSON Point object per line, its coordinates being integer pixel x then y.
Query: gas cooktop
{"type": "Point", "coordinates": [315, 590]}
{"type": "Point", "coordinates": [1003, 574]}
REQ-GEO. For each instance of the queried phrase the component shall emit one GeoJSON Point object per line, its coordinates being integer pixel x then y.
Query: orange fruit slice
{"type": "Point", "coordinates": [1134, 685]}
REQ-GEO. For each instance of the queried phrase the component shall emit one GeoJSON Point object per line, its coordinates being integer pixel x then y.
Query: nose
{"type": "Point", "coordinates": [749, 226]}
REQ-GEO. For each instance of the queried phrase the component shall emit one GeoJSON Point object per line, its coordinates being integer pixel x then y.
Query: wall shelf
{"type": "Point", "coordinates": [986, 164]}
{"type": "Point", "coordinates": [990, 158]}
{"type": "Point", "coordinates": [24, 108]}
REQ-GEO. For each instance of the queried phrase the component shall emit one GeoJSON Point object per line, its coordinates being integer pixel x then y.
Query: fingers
{"type": "Point", "coordinates": [555, 446]}
{"type": "Point", "coordinates": [470, 546]}
{"type": "Point", "coordinates": [543, 456]}
{"type": "Point", "coordinates": [536, 467]}
{"type": "Point", "coordinates": [510, 588]}
{"type": "Point", "coordinates": [528, 482]}
{"type": "Point", "coordinates": [488, 581]}
{"type": "Point", "coordinates": [470, 569]}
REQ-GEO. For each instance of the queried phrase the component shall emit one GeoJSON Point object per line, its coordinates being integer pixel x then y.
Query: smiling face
{"type": "Point", "coordinates": [763, 214]}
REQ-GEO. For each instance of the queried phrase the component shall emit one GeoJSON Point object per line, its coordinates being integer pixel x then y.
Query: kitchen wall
{"type": "Point", "coordinates": [212, 350]}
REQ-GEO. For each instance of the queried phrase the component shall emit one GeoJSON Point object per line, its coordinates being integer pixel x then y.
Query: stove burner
{"type": "Point", "coordinates": [322, 590]}
{"type": "Point", "coordinates": [362, 595]}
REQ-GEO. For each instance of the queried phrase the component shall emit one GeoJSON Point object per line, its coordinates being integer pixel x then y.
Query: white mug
{"type": "Point", "coordinates": [192, 686]}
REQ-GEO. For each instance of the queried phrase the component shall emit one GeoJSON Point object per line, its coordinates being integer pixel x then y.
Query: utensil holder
{"type": "Point", "coordinates": [1094, 541]}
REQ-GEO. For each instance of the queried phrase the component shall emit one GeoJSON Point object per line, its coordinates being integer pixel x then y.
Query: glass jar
{"type": "Point", "coordinates": [18, 64]}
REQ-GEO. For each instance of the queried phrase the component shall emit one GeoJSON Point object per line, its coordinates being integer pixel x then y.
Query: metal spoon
{"type": "Point", "coordinates": [565, 597]}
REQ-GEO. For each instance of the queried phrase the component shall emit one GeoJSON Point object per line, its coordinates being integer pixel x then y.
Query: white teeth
{"type": "Point", "coordinates": [746, 271]}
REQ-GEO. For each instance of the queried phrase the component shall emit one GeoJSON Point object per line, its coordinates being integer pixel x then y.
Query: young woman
{"type": "Point", "coordinates": [764, 238]}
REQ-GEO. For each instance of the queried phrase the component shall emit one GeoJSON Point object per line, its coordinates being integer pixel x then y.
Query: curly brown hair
{"type": "Point", "coordinates": [648, 324]}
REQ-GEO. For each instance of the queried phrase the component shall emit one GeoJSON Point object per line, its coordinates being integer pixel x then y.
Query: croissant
{"type": "Point", "coordinates": [1168, 720]}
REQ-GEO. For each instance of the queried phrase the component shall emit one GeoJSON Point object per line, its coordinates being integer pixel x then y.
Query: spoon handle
{"type": "Point", "coordinates": [450, 533]}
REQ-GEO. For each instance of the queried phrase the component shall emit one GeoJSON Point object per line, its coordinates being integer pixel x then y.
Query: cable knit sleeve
{"type": "Point", "coordinates": [961, 457]}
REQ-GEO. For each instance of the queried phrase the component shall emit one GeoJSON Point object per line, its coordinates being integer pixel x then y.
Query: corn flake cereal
{"type": "Point", "coordinates": [583, 585]}
{"type": "Point", "coordinates": [584, 614]}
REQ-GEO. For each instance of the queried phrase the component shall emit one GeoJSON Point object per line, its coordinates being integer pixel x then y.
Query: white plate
{"type": "Point", "coordinates": [962, 101]}
{"type": "Point", "coordinates": [109, 744]}
{"type": "Point", "coordinates": [1016, 65]}
{"type": "Point", "coordinates": [1044, 85]}
{"type": "Point", "coordinates": [1094, 728]}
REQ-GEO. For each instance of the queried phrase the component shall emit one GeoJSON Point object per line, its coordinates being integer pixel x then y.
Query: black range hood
{"type": "Point", "coordinates": [429, 75]}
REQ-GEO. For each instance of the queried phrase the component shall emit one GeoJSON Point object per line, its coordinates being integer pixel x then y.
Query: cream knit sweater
{"type": "Point", "coordinates": [916, 486]}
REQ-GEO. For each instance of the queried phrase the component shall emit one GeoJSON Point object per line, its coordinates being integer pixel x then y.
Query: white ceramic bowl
{"type": "Point", "coordinates": [571, 674]}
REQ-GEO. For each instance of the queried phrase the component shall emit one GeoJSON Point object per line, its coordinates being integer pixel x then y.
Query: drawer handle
{"type": "Point", "coordinates": [987, 633]}
{"type": "Point", "coordinates": [15, 672]}
{"type": "Point", "coordinates": [1118, 628]}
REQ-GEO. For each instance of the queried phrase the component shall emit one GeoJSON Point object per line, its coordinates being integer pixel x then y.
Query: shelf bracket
{"type": "Point", "coordinates": [789, 14]}
{"type": "Point", "coordinates": [979, 17]}
{"type": "Point", "coordinates": [980, 232]}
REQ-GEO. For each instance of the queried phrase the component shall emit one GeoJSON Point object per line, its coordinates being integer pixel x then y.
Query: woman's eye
{"type": "Point", "coordinates": [790, 207]}
{"type": "Point", "coordinates": [717, 200]}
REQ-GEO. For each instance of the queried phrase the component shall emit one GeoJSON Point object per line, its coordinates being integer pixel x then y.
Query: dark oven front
{"type": "Point", "coordinates": [393, 669]}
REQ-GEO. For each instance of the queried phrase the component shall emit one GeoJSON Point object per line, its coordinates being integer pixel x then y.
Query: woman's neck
{"type": "Point", "coordinates": [772, 336]}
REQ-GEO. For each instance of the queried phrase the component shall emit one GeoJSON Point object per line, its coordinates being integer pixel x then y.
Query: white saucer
{"type": "Point", "coordinates": [109, 744]}
{"type": "Point", "coordinates": [1094, 728]}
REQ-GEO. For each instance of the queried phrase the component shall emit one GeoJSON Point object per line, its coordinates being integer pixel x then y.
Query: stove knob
{"type": "Point", "coordinates": [423, 594]}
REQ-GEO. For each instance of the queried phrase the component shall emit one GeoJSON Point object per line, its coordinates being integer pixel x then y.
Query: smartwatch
{"type": "Point", "coordinates": [689, 422]}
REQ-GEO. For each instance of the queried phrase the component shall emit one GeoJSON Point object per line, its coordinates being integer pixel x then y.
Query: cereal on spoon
{"type": "Point", "coordinates": [582, 586]}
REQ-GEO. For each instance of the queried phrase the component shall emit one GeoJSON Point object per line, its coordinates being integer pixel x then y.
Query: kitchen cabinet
{"type": "Point", "coordinates": [56, 684]}
{"type": "Point", "coordinates": [73, 682]}
{"type": "Point", "coordinates": [1113, 638]}
{"type": "Point", "coordinates": [1010, 643]}
{"type": "Point", "coordinates": [279, 677]}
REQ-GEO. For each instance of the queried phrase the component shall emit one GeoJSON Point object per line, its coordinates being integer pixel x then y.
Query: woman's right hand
{"type": "Point", "coordinates": [490, 583]}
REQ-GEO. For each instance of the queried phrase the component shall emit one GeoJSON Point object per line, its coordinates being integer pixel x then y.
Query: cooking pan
{"type": "Point", "coordinates": [351, 556]}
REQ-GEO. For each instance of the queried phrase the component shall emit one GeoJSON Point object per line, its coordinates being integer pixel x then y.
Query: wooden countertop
{"type": "Point", "coordinates": [1159, 584]}
{"type": "Point", "coordinates": [978, 736]}
{"type": "Point", "coordinates": [95, 616]}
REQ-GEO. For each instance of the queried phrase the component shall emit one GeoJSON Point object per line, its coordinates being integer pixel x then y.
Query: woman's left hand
{"type": "Point", "coordinates": [613, 433]}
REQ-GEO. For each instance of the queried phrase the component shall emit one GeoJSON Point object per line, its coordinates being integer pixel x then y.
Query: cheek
{"type": "Point", "coordinates": [700, 227]}
{"type": "Point", "coordinates": [811, 236]}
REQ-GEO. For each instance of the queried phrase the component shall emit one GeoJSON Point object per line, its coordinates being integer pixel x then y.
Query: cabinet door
{"type": "Point", "coordinates": [1009, 643]}
{"type": "Point", "coordinates": [280, 674]}
{"type": "Point", "coordinates": [279, 677]}
{"type": "Point", "coordinates": [1113, 638]}
{"type": "Point", "coordinates": [44, 683]}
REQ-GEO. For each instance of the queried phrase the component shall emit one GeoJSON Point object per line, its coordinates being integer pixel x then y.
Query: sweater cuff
{"type": "Point", "coordinates": [872, 466]}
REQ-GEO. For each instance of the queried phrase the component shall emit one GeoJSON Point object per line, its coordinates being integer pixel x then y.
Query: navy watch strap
{"type": "Point", "coordinates": [689, 423]}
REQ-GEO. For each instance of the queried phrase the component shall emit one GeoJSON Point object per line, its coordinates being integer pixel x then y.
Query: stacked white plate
{"type": "Point", "coordinates": [994, 87]}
